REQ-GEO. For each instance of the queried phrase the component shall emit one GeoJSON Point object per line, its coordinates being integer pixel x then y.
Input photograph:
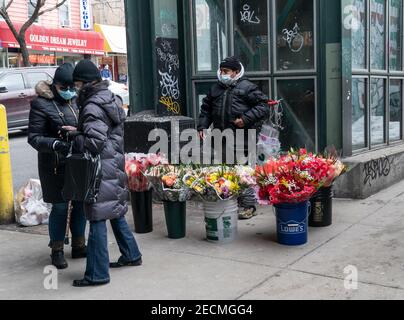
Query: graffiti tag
{"type": "Point", "coordinates": [249, 16]}
{"type": "Point", "coordinates": [292, 37]}
{"type": "Point", "coordinates": [376, 169]}
{"type": "Point", "coordinates": [169, 85]}
{"type": "Point", "coordinates": [172, 106]}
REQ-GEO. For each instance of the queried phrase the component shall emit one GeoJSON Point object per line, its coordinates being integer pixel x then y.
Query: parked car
{"type": "Point", "coordinates": [17, 90]}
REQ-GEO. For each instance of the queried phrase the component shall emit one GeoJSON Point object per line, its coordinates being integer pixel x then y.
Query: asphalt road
{"type": "Point", "coordinates": [23, 160]}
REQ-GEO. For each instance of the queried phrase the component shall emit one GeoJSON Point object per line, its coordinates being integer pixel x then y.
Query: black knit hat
{"type": "Point", "coordinates": [64, 75]}
{"type": "Point", "coordinates": [86, 71]}
{"type": "Point", "coordinates": [231, 63]}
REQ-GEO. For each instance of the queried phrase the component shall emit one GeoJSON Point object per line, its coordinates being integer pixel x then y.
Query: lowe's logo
{"type": "Point", "coordinates": [292, 227]}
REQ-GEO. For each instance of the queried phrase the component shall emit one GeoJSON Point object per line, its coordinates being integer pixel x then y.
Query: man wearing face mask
{"type": "Point", "coordinates": [53, 116]}
{"type": "Point", "coordinates": [234, 103]}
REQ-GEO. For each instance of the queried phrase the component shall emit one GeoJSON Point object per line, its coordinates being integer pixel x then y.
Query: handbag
{"type": "Point", "coordinates": [83, 176]}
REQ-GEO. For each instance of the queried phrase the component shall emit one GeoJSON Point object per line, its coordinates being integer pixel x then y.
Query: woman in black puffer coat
{"type": "Point", "coordinates": [52, 113]}
{"type": "Point", "coordinates": [100, 131]}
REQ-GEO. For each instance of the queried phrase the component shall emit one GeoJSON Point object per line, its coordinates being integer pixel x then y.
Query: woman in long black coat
{"type": "Point", "coordinates": [100, 132]}
{"type": "Point", "coordinates": [52, 114]}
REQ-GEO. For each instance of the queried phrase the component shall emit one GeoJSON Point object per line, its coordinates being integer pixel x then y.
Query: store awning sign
{"type": "Point", "coordinates": [56, 40]}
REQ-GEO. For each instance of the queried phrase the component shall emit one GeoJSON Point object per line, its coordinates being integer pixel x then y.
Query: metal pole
{"type": "Point", "coordinates": [6, 182]}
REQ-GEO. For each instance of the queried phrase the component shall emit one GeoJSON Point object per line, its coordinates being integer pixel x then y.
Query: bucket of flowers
{"type": "Point", "coordinates": [321, 202]}
{"type": "Point", "coordinates": [169, 186]}
{"type": "Point", "coordinates": [288, 183]}
{"type": "Point", "coordinates": [219, 187]}
{"type": "Point", "coordinates": [136, 164]}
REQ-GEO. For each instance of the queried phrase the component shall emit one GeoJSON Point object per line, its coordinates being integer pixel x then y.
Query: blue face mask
{"type": "Point", "coordinates": [67, 94]}
{"type": "Point", "coordinates": [226, 79]}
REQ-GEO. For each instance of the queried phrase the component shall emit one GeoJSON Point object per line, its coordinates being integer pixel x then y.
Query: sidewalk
{"type": "Point", "coordinates": [368, 234]}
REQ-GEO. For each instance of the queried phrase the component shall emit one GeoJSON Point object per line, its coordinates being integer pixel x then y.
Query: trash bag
{"type": "Point", "coordinates": [30, 209]}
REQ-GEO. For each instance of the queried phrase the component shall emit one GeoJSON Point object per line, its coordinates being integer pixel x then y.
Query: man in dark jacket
{"type": "Point", "coordinates": [100, 131]}
{"type": "Point", "coordinates": [234, 103]}
{"type": "Point", "coordinates": [52, 113]}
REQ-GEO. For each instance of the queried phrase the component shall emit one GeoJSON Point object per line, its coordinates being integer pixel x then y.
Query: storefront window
{"type": "Point", "coordinates": [358, 113]}
{"type": "Point", "coordinates": [299, 119]}
{"type": "Point", "coordinates": [211, 34]}
{"type": "Point", "coordinates": [64, 14]}
{"type": "Point", "coordinates": [378, 34]}
{"type": "Point", "coordinates": [359, 35]}
{"type": "Point", "coordinates": [396, 111]}
{"type": "Point", "coordinates": [251, 34]}
{"type": "Point", "coordinates": [31, 8]}
{"type": "Point", "coordinates": [377, 111]}
{"type": "Point", "coordinates": [263, 86]}
{"type": "Point", "coordinates": [395, 35]}
{"type": "Point", "coordinates": [295, 35]}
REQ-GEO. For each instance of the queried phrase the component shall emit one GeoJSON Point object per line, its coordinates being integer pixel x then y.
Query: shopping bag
{"type": "Point", "coordinates": [82, 177]}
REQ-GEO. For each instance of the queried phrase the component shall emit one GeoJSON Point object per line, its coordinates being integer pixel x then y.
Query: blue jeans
{"type": "Point", "coordinates": [97, 269]}
{"type": "Point", "coordinates": [58, 221]}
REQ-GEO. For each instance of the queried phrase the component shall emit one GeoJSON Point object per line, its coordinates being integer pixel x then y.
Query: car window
{"type": "Point", "coordinates": [13, 82]}
{"type": "Point", "coordinates": [35, 77]}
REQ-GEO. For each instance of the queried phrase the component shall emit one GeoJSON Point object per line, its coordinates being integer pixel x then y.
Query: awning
{"type": "Point", "coordinates": [115, 38]}
{"type": "Point", "coordinates": [55, 40]}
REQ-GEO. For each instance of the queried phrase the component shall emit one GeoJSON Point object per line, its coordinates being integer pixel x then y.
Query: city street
{"type": "Point", "coordinates": [23, 159]}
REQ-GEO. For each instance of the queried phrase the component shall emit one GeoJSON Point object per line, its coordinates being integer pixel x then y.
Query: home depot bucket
{"type": "Point", "coordinates": [221, 220]}
{"type": "Point", "coordinates": [292, 223]}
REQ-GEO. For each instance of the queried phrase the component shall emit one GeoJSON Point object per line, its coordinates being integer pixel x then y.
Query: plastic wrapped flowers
{"type": "Point", "coordinates": [220, 182]}
{"type": "Point", "coordinates": [136, 164]}
{"type": "Point", "coordinates": [295, 177]}
{"type": "Point", "coordinates": [168, 182]}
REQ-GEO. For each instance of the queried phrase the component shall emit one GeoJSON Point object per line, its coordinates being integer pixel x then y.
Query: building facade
{"type": "Point", "coordinates": [109, 20]}
{"type": "Point", "coordinates": [59, 36]}
{"type": "Point", "coordinates": [337, 65]}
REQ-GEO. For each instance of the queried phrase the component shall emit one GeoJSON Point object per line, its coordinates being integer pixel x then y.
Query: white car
{"type": "Point", "coordinates": [121, 90]}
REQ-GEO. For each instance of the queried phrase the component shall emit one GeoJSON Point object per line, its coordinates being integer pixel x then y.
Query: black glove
{"type": "Point", "coordinates": [61, 147]}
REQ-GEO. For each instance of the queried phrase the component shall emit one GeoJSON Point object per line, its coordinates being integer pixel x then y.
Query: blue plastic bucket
{"type": "Point", "coordinates": [292, 223]}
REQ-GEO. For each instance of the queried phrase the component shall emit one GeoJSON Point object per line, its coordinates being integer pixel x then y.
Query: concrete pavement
{"type": "Point", "coordinates": [367, 234]}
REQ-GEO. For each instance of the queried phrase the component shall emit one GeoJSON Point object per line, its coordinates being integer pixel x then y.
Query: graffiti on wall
{"type": "Point", "coordinates": [376, 169]}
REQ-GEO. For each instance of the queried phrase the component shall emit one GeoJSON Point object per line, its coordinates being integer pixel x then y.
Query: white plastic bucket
{"type": "Point", "coordinates": [221, 220]}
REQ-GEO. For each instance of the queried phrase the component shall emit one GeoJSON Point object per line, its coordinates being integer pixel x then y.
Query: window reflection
{"type": "Point", "coordinates": [251, 34]}
{"type": "Point", "coordinates": [295, 34]}
{"type": "Point", "coordinates": [396, 117]}
{"type": "Point", "coordinates": [395, 35]}
{"type": "Point", "coordinates": [299, 120]}
{"type": "Point", "coordinates": [377, 110]}
{"type": "Point", "coordinates": [211, 40]}
{"type": "Point", "coordinates": [359, 35]}
{"type": "Point", "coordinates": [377, 34]}
{"type": "Point", "coordinates": [358, 113]}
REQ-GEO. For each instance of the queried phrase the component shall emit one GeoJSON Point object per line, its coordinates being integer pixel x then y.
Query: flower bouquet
{"type": "Point", "coordinates": [168, 182]}
{"type": "Point", "coordinates": [292, 178]}
{"type": "Point", "coordinates": [136, 164]}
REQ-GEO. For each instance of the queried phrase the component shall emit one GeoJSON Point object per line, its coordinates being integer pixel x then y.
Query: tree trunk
{"type": "Point", "coordinates": [24, 50]}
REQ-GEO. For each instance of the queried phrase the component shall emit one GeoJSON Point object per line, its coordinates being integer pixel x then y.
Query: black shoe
{"type": "Point", "coordinates": [79, 253]}
{"type": "Point", "coordinates": [85, 283]}
{"type": "Point", "coordinates": [58, 260]}
{"type": "Point", "coordinates": [121, 264]}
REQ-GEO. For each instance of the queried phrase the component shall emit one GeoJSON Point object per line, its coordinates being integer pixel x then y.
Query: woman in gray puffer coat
{"type": "Point", "coordinates": [100, 131]}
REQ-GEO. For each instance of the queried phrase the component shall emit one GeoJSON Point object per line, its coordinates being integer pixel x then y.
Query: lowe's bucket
{"type": "Point", "coordinates": [321, 208]}
{"type": "Point", "coordinates": [292, 223]}
{"type": "Point", "coordinates": [221, 220]}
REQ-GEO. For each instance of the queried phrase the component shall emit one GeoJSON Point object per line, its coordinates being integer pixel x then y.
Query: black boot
{"type": "Point", "coordinates": [79, 249]}
{"type": "Point", "coordinates": [58, 257]}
